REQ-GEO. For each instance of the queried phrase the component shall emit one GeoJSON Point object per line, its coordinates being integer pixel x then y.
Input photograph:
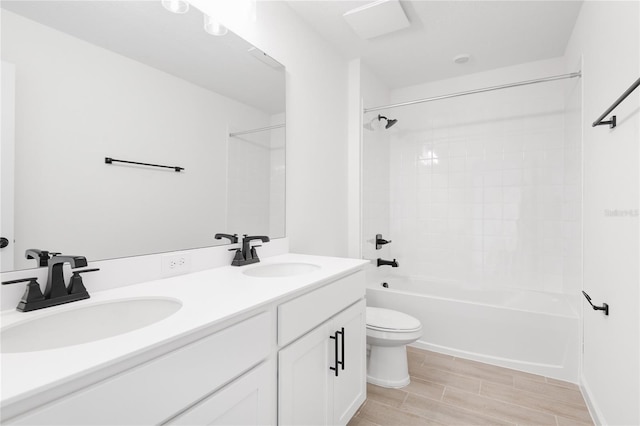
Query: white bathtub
{"type": "Point", "coordinates": [525, 330]}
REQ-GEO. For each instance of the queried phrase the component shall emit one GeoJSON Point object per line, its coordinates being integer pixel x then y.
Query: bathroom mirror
{"type": "Point", "coordinates": [129, 80]}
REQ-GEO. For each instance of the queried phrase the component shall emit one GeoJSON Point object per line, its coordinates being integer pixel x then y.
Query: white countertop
{"type": "Point", "coordinates": [208, 298]}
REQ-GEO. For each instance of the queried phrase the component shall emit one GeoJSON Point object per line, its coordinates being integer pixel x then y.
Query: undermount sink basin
{"type": "Point", "coordinates": [86, 324]}
{"type": "Point", "coordinates": [281, 270]}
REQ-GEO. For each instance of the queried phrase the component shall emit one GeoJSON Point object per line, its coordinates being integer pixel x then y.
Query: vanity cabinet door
{"type": "Point", "coordinates": [305, 383]}
{"type": "Point", "coordinates": [309, 391]}
{"type": "Point", "coordinates": [246, 401]}
{"type": "Point", "coordinates": [349, 387]}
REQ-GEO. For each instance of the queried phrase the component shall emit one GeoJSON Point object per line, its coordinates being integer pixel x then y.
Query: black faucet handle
{"type": "Point", "coordinates": [32, 293]}
{"type": "Point", "coordinates": [238, 258]}
{"type": "Point", "coordinates": [76, 286]}
{"type": "Point", "coordinates": [82, 271]}
{"type": "Point", "coordinates": [21, 280]}
{"type": "Point", "coordinates": [380, 241]}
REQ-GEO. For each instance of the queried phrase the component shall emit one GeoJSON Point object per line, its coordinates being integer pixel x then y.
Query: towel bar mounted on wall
{"type": "Point", "coordinates": [612, 122]}
{"type": "Point", "coordinates": [109, 160]}
{"type": "Point", "coordinates": [604, 306]}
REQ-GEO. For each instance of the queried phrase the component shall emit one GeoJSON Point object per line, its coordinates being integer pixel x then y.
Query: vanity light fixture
{"type": "Point", "coordinates": [214, 27]}
{"type": "Point", "coordinates": [176, 6]}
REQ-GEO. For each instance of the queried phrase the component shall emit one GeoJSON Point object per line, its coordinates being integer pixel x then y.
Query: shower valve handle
{"type": "Point", "coordinates": [380, 241]}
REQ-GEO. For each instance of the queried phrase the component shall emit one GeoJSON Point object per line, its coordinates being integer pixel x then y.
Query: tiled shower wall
{"type": "Point", "coordinates": [485, 189]}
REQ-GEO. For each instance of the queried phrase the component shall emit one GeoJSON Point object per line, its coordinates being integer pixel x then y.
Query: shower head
{"type": "Point", "coordinates": [390, 122]}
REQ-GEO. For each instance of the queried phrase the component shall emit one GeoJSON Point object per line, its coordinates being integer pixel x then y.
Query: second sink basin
{"type": "Point", "coordinates": [86, 324]}
{"type": "Point", "coordinates": [281, 270]}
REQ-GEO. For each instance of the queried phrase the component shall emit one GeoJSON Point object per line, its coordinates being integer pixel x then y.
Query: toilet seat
{"type": "Point", "coordinates": [387, 320]}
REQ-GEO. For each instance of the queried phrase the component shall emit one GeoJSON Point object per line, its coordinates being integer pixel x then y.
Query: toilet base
{"type": "Point", "coordinates": [387, 366]}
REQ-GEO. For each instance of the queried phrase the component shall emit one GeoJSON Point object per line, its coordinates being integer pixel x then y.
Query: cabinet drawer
{"type": "Point", "coordinates": [157, 390]}
{"type": "Point", "coordinates": [302, 314]}
{"type": "Point", "coordinates": [245, 401]}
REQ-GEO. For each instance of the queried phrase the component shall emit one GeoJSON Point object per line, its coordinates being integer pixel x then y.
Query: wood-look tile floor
{"type": "Point", "coordinates": [453, 391]}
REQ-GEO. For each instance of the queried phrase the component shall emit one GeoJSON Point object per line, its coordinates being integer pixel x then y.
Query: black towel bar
{"type": "Point", "coordinates": [109, 160]}
{"type": "Point", "coordinates": [612, 122]}
{"type": "Point", "coordinates": [604, 306]}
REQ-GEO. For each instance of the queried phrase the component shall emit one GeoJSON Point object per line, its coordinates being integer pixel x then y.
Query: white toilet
{"type": "Point", "coordinates": [388, 333]}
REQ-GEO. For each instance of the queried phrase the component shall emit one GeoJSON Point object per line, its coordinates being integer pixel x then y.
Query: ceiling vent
{"type": "Point", "coordinates": [377, 18]}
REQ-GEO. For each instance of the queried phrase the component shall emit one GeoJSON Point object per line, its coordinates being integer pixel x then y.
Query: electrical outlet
{"type": "Point", "coordinates": [175, 264]}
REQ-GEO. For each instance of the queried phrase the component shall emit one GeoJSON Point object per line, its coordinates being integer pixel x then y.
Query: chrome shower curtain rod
{"type": "Point", "coordinates": [261, 129]}
{"type": "Point", "coordinates": [471, 92]}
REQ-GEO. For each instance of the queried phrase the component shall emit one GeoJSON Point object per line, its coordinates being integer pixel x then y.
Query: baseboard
{"type": "Point", "coordinates": [558, 372]}
{"type": "Point", "coordinates": [596, 414]}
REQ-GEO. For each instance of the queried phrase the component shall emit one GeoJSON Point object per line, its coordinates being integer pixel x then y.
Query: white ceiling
{"type": "Point", "coordinates": [495, 34]}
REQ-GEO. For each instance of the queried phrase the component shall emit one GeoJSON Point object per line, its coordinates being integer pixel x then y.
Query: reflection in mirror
{"type": "Point", "coordinates": [82, 81]}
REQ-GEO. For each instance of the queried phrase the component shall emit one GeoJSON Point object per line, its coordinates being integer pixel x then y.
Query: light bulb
{"type": "Point", "coordinates": [176, 6]}
{"type": "Point", "coordinates": [214, 27]}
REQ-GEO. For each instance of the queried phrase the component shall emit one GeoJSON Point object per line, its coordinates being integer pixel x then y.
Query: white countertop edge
{"type": "Point", "coordinates": [82, 365]}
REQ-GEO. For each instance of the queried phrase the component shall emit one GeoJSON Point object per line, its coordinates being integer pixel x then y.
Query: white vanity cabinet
{"type": "Point", "coordinates": [291, 351]}
{"type": "Point", "coordinates": [183, 382]}
{"type": "Point", "coordinates": [322, 374]}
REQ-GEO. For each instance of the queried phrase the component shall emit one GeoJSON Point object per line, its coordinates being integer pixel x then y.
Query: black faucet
{"type": "Point", "coordinates": [393, 263]}
{"type": "Point", "coordinates": [56, 292]}
{"type": "Point", "coordinates": [247, 254]}
{"type": "Point", "coordinates": [55, 281]}
{"type": "Point", "coordinates": [233, 238]}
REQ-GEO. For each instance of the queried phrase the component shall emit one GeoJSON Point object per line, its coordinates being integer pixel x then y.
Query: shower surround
{"type": "Point", "coordinates": [484, 190]}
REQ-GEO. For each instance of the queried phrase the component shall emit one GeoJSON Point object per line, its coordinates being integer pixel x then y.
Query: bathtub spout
{"type": "Point", "coordinates": [393, 263]}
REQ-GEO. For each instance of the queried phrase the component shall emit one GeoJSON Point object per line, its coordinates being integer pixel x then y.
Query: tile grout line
{"type": "Point", "coordinates": [404, 399]}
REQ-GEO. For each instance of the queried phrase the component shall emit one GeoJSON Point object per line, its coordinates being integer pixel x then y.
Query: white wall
{"type": "Point", "coordinates": [277, 178]}
{"type": "Point", "coordinates": [478, 184]}
{"type": "Point", "coordinates": [316, 122]}
{"type": "Point", "coordinates": [78, 103]}
{"type": "Point", "coordinates": [375, 170]}
{"type": "Point", "coordinates": [606, 35]}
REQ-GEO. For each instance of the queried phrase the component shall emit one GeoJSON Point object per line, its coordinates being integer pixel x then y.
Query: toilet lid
{"type": "Point", "coordinates": [387, 319]}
